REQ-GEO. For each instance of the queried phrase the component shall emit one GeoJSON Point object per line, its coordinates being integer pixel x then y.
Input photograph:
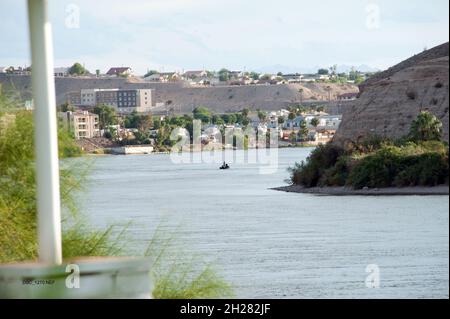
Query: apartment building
{"type": "Point", "coordinates": [73, 98]}
{"type": "Point", "coordinates": [125, 101]}
{"type": "Point", "coordinates": [88, 97]}
{"type": "Point", "coordinates": [107, 97]}
{"type": "Point", "coordinates": [82, 123]}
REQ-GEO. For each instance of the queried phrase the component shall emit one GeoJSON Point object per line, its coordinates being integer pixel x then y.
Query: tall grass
{"type": "Point", "coordinates": [179, 274]}
{"type": "Point", "coordinates": [176, 273]}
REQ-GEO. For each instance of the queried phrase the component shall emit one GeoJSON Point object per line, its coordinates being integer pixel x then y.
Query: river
{"type": "Point", "coordinates": [271, 244]}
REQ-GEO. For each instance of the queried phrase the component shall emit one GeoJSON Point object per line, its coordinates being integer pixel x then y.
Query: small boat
{"type": "Point", "coordinates": [224, 166]}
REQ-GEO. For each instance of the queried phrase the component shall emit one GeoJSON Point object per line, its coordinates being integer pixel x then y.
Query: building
{"type": "Point", "coordinates": [155, 77]}
{"type": "Point", "coordinates": [106, 97]}
{"type": "Point", "coordinates": [125, 101]}
{"type": "Point", "coordinates": [122, 71]}
{"type": "Point", "coordinates": [82, 123]}
{"type": "Point", "coordinates": [139, 100]}
{"type": "Point", "coordinates": [60, 72]}
{"type": "Point", "coordinates": [88, 97]}
{"type": "Point", "coordinates": [190, 75]}
{"type": "Point", "coordinates": [348, 97]}
{"type": "Point", "coordinates": [73, 98]}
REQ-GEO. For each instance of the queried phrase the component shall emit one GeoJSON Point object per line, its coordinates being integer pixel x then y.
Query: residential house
{"type": "Point", "coordinates": [119, 71]}
{"type": "Point", "coordinates": [348, 97]}
{"type": "Point", "coordinates": [293, 78]}
{"type": "Point", "coordinates": [155, 77]}
{"type": "Point", "coordinates": [61, 72]}
{"type": "Point", "coordinates": [293, 124]}
{"type": "Point", "coordinates": [170, 76]}
{"type": "Point", "coordinates": [82, 123]}
{"type": "Point", "coordinates": [191, 75]}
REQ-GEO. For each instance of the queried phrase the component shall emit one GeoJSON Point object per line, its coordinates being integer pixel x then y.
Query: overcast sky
{"type": "Point", "coordinates": [236, 34]}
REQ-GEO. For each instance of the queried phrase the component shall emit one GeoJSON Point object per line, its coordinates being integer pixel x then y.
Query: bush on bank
{"type": "Point", "coordinates": [420, 159]}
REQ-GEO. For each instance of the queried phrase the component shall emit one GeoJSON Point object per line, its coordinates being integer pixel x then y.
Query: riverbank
{"type": "Point", "coordinates": [346, 191]}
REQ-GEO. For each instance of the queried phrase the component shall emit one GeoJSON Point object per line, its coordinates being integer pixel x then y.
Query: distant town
{"type": "Point", "coordinates": [113, 118]}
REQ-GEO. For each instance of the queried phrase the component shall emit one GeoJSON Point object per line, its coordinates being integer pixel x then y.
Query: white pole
{"type": "Point", "coordinates": [46, 139]}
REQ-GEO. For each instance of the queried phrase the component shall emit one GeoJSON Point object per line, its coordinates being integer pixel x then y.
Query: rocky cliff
{"type": "Point", "coordinates": [391, 100]}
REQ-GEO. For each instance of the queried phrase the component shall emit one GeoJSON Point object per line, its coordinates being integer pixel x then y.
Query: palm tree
{"type": "Point", "coordinates": [426, 127]}
{"type": "Point", "coordinates": [301, 95]}
{"type": "Point", "coordinates": [315, 122]}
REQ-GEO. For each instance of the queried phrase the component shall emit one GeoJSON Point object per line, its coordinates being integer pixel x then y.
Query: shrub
{"type": "Point", "coordinates": [426, 127]}
{"type": "Point", "coordinates": [430, 169]}
{"type": "Point", "coordinates": [424, 164]}
{"type": "Point", "coordinates": [375, 170]}
{"type": "Point", "coordinates": [322, 158]}
{"type": "Point", "coordinates": [411, 95]}
{"type": "Point", "coordinates": [336, 175]}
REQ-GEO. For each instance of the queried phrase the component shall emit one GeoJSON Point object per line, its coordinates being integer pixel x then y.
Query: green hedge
{"type": "Point", "coordinates": [387, 165]}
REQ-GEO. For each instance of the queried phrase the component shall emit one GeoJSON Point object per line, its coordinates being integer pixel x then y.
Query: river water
{"type": "Point", "coordinates": [271, 244]}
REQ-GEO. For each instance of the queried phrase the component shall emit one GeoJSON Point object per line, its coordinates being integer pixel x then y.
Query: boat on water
{"type": "Point", "coordinates": [224, 166]}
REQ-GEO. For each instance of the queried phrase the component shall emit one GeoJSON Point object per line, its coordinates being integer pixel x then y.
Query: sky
{"type": "Point", "coordinates": [261, 35]}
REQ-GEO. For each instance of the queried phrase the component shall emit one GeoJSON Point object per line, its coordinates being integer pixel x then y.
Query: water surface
{"type": "Point", "coordinates": [275, 244]}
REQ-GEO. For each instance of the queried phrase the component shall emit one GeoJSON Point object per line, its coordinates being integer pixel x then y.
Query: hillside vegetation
{"type": "Point", "coordinates": [418, 159]}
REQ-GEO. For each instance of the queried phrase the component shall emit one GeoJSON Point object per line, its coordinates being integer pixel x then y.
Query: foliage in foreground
{"type": "Point", "coordinates": [179, 274]}
{"type": "Point", "coordinates": [18, 242]}
{"type": "Point", "coordinates": [420, 159]}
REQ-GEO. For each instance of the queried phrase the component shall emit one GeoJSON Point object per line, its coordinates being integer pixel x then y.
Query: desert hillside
{"type": "Point", "coordinates": [183, 98]}
{"type": "Point", "coordinates": [392, 99]}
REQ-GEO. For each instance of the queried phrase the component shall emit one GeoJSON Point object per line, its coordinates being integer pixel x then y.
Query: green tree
{"type": "Point", "coordinates": [66, 107]}
{"type": "Point", "coordinates": [262, 116]}
{"type": "Point", "coordinates": [232, 119]}
{"type": "Point", "coordinates": [254, 76]}
{"type": "Point", "coordinates": [315, 122]}
{"type": "Point", "coordinates": [224, 75]}
{"type": "Point", "coordinates": [202, 113]}
{"type": "Point", "coordinates": [144, 123]}
{"type": "Point", "coordinates": [322, 72]}
{"type": "Point", "coordinates": [77, 69]}
{"type": "Point", "coordinates": [217, 120]}
{"type": "Point", "coordinates": [292, 115]}
{"type": "Point", "coordinates": [106, 114]}
{"type": "Point", "coordinates": [281, 120]}
{"type": "Point", "coordinates": [150, 72]}
{"type": "Point", "coordinates": [426, 127]}
{"type": "Point", "coordinates": [303, 132]}
{"type": "Point", "coordinates": [245, 121]}
{"type": "Point", "coordinates": [245, 112]}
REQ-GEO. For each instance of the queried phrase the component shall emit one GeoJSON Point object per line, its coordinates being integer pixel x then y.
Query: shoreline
{"type": "Point", "coordinates": [345, 191]}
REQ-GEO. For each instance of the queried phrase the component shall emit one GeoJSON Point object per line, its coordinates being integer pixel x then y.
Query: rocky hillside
{"type": "Point", "coordinates": [183, 98]}
{"type": "Point", "coordinates": [392, 99]}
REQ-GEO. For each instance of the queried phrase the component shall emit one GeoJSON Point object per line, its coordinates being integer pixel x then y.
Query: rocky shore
{"type": "Point", "coordinates": [346, 191]}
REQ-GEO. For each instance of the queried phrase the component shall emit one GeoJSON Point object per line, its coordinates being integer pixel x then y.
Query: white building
{"type": "Point", "coordinates": [82, 123]}
{"type": "Point", "coordinates": [61, 72]}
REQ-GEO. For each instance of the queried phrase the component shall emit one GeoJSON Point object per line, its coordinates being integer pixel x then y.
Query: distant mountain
{"type": "Point", "coordinates": [273, 69]}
